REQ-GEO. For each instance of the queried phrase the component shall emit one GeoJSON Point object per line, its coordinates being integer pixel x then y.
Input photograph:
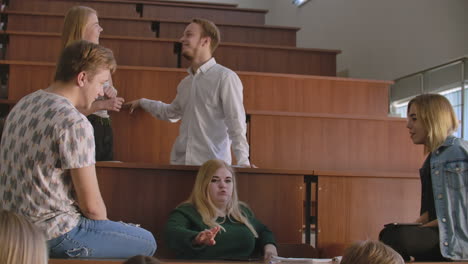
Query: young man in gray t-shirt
{"type": "Point", "coordinates": [47, 158]}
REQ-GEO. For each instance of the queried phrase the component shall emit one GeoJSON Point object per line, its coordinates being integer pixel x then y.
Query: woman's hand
{"type": "Point", "coordinates": [206, 237]}
{"type": "Point", "coordinates": [269, 251]}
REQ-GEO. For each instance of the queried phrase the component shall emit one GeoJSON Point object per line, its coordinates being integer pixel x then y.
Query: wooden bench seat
{"type": "Point", "coordinates": [143, 27]}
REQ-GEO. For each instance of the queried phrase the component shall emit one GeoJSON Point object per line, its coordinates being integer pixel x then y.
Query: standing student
{"type": "Point", "coordinates": [47, 162]}
{"type": "Point", "coordinates": [209, 101]}
{"type": "Point", "coordinates": [214, 224]}
{"type": "Point", "coordinates": [443, 233]}
{"type": "Point", "coordinates": [81, 23]}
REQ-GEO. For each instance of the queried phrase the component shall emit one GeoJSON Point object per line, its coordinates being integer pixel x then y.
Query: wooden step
{"type": "Point", "coordinates": [143, 27]}
{"type": "Point", "coordinates": [158, 52]}
{"type": "Point", "coordinates": [153, 10]}
{"type": "Point", "coordinates": [284, 93]}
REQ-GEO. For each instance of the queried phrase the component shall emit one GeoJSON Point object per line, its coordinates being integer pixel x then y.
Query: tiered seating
{"type": "Point", "coordinates": [334, 128]}
{"type": "Point", "coordinates": [145, 27]}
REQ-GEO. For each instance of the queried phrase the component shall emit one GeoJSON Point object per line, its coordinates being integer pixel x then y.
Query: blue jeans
{"type": "Point", "coordinates": [102, 239]}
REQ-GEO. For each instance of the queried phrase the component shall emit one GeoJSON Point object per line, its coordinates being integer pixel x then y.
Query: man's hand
{"type": "Point", "coordinates": [113, 104]}
{"type": "Point", "coordinates": [206, 237]}
{"type": "Point", "coordinates": [132, 105]}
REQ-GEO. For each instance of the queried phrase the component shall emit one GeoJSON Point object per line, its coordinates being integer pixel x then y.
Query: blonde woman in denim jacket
{"type": "Point", "coordinates": [443, 233]}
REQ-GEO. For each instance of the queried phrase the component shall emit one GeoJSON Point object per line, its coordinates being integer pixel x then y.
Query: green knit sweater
{"type": "Point", "coordinates": [237, 242]}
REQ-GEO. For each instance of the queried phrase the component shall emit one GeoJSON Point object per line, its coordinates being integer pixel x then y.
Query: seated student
{"type": "Point", "coordinates": [444, 178]}
{"type": "Point", "coordinates": [47, 162]}
{"type": "Point", "coordinates": [20, 241]}
{"type": "Point", "coordinates": [81, 23]}
{"type": "Point", "coordinates": [213, 223]}
{"type": "Point", "coordinates": [371, 252]}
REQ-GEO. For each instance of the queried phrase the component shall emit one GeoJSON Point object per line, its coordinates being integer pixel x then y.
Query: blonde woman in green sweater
{"type": "Point", "coordinates": [214, 224]}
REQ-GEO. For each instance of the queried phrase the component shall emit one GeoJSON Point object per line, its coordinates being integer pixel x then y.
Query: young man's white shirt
{"type": "Point", "coordinates": [210, 104]}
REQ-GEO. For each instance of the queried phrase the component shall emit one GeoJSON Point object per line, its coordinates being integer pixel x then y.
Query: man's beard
{"type": "Point", "coordinates": [188, 57]}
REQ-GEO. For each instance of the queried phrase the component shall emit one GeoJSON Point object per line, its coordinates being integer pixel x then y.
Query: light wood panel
{"type": "Point", "coordinates": [159, 189]}
{"type": "Point", "coordinates": [262, 92]}
{"type": "Point", "coordinates": [141, 27]}
{"type": "Point", "coordinates": [216, 14]}
{"type": "Point", "coordinates": [56, 6]}
{"type": "Point", "coordinates": [332, 143]}
{"type": "Point", "coordinates": [153, 52]}
{"type": "Point", "coordinates": [161, 10]}
{"type": "Point", "coordinates": [293, 141]}
{"type": "Point", "coordinates": [355, 207]}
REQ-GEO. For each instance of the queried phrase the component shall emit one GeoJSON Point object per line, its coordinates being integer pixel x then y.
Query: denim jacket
{"type": "Point", "coordinates": [449, 174]}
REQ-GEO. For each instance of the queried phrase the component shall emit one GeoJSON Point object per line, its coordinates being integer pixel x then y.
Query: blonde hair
{"type": "Point", "coordinates": [201, 199]}
{"type": "Point", "coordinates": [371, 252]}
{"type": "Point", "coordinates": [21, 241]}
{"type": "Point", "coordinates": [83, 56]}
{"type": "Point", "coordinates": [75, 23]}
{"type": "Point", "coordinates": [209, 29]}
{"type": "Point", "coordinates": [437, 117]}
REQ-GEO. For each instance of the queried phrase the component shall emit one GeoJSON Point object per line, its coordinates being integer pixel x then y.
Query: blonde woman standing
{"type": "Point", "coordinates": [20, 241]}
{"type": "Point", "coordinates": [81, 23]}
{"type": "Point", "coordinates": [213, 223]}
{"type": "Point", "coordinates": [443, 230]}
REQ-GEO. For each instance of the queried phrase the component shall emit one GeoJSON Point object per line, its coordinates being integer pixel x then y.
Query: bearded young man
{"type": "Point", "coordinates": [209, 102]}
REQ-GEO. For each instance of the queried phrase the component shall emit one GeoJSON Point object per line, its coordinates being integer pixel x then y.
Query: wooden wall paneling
{"type": "Point", "coordinates": [53, 23]}
{"type": "Point", "coordinates": [277, 141]}
{"type": "Point", "coordinates": [215, 14]}
{"type": "Point", "coordinates": [118, 9]}
{"type": "Point", "coordinates": [314, 94]}
{"type": "Point", "coordinates": [127, 51]}
{"type": "Point", "coordinates": [159, 53]}
{"type": "Point", "coordinates": [268, 35]}
{"type": "Point", "coordinates": [141, 27]}
{"type": "Point", "coordinates": [147, 196]}
{"type": "Point", "coordinates": [140, 137]}
{"type": "Point", "coordinates": [327, 143]}
{"type": "Point", "coordinates": [262, 92]}
{"type": "Point", "coordinates": [356, 208]}
{"type": "Point", "coordinates": [25, 79]}
{"type": "Point", "coordinates": [259, 58]}
{"type": "Point", "coordinates": [210, 4]}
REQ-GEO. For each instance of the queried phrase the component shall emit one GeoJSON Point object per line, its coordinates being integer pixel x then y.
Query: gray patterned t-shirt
{"type": "Point", "coordinates": [44, 137]}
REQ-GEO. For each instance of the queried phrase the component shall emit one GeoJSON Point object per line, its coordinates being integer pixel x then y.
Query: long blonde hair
{"type": "Point", "coordinates": [201, 199]}
{"type": "Point", "coordinates": [21, 241]}
{"type": "Point", "coordinates": [75, 23]}
{"type": "Point", "coordinates": [437, 116]}
{"type": "Point", "coordinates": [371, 252]}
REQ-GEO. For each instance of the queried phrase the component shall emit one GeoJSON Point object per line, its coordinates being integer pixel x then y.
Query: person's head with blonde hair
{"type": "Point", "coordinates": [209, 29]}
{"type": "Point", "coordinates": [212, 202]}
{"type": "Point", "coordinates": [371, 252]}
{"type": "Point", "coordinates": [431, 119]}
{"type": "Point", "coordinates": [20, 241]}
{"type": "Point", "coordinates": [81, 23]}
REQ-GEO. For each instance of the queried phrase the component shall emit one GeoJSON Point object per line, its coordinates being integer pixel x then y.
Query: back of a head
{"type": "Point", "coordinates": [142, 260]}
{"type": "Point", "coordinates": [21, 241]}
{"type": "Point", "coordinates": [74, 24]}
{"type": "Point", "coordinates": [81, 56]}
{"type": "Point", "coordinates": [371, 252]}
